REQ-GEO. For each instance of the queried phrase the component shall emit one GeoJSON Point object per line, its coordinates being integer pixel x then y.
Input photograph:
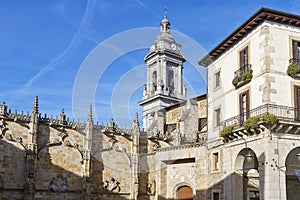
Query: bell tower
{"type": "Point", "coordinates": [164, 74]}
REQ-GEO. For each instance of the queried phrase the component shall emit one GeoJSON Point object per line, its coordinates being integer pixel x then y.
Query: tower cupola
{"type": "Point", "coordinates": [164, 63]}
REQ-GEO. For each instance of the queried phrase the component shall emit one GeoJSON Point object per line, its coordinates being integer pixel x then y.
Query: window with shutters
{"type": "Point", "coordinates": [217, 80]}
{"type": "Point", "coordinates": [244, 73]}
{"type": "Point", "coordinates": [294, 64]}
{"type": "Point", "coordinates": [244, 57]}
{"type": "Point", "coordinates": [297, 102]}
{"type": "Point", "coordinates": [296, 51]}
{"type": "Point", "coordinates": [215, 161]}
{"type": "Point", "coordinates": [244, 106]}
{"type": "Point", "coordinates": [217, 117]}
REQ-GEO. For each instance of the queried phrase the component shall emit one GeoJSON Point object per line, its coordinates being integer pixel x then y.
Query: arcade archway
{"type": "Point", "coordinates": [292, 182]}
{"type": "Point", "coordinates": [246, 175]}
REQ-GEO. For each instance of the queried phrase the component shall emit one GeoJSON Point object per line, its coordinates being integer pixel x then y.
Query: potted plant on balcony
{"type": "Point", "coordinates": [235, 81]}
{"type": "Point", "coordinates": [251, 122]}
{"type": "Point", "coordinates": [270, 118]}
{"type": "Point", "coordinates": [243, 78]}
{"type": "Point", "coordinates": [226, 131]}
{"type": "Point", "coordinates": [247, 75]}
{"type": "Point", "coordinates": [292, 69]}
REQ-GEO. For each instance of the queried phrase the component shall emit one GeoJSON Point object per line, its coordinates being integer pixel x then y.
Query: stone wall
{"type": "Point", "coordinates": [42, 158]}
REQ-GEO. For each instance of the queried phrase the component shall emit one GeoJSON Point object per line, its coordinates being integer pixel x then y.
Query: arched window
{"type": "Point", "coordinates": [154, 81]}
{"type": "Point", "coordinates": [171, 81]}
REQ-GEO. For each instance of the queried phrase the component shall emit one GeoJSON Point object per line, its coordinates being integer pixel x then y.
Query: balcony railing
{"type": "Point", "coordinates": [283, 113]}
{"type": "Point", "coordinates": [241, 71]}
{"type": "Point", "coordinates": [294, 61]}
{"type": "Point", "coordinates": [242, 75]}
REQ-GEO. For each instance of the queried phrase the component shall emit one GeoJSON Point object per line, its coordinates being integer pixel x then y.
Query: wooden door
{"type": "Point", "coordinates": [244, 106]}
{"type": "Point", "coordinates": [185, 193]}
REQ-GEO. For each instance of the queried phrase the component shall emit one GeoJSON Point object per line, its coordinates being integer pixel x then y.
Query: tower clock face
{"type": "Point", "coordinates": [173, 46]}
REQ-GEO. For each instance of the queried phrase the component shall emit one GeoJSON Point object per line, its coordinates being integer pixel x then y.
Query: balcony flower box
{"type": "Point", "coordinates": [293, 69]}
{"type": "Point", "coordinates": [242, 76]}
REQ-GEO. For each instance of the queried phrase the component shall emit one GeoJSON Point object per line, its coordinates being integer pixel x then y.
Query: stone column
{"type": "Point", "coordinates": [87, 156]}
{"type": "Point", "coordinates": [31, 153]}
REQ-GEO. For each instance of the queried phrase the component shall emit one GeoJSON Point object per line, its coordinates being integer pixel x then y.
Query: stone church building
{"type": "Point", "coordinates": [240, 140]}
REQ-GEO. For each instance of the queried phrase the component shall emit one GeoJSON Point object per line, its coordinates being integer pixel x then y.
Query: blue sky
{"type": "Point", "coordinates": [44, 45]}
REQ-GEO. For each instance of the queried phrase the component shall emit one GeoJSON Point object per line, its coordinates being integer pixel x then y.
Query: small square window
{"type": "Point", "coordinates": [253, 195]}
{"type": "Point", "coordinates": [216, 196]}
{"type": "Point", "coordinates": [216, 161]}
{"type": "Point", "coordinates": [217, 79]}
{"type": "Point", "coordinates": [217, 117]}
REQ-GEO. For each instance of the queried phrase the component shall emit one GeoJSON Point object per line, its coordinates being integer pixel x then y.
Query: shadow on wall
{"type": "Point", "coordinates": [58, 173]}
{"type": "Point", "coordinates": [12, 170]}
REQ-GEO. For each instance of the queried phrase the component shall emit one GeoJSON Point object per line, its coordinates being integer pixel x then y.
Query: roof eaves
{"type": "Point", "coordinates": [256, 19]}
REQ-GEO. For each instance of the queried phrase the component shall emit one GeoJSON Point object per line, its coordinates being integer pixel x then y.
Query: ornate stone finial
{"type": "Point", "coordinates": [135, 122]}
{"type": "Point", "coordinates": [137, 118]}
{"type": "Point", "coordinates": [3, 109]}
{"type": "Point", "coordinates": [90, 116]}
{"type": "Point", "coordinates": [35, 108]}
{"type": "Point", "coordinates": [62, 119]}
{"type": "Point", "coordinates": [184, 90]}
{"type": "Point", "coordinates": [165, 11]}
{"type": "Point", "coordinates": [112, 124]}
{"type": "Point", "coordinates": [145, 90]}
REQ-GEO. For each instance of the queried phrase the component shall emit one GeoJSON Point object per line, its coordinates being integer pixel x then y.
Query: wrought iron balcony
{"type": "Point", "coordinates": [242, 76]}
{"type": "Point", "coordinates": [283, 113]}
{"type": "Point", "coordinates": [294, 61]}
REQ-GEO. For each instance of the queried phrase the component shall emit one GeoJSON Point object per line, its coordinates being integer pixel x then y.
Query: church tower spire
{"type": "Point", "coordinates": [164, 74]}
{"type": "Point", "coordinates": [165, 24]}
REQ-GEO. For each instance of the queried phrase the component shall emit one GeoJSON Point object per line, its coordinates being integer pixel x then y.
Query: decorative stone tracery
{"type": "Point", "coordinates": [151, 188]}
{"type": "Point", "coordinates": [112, 185]}
{"type": "Point", "coordinates": [58, 183]}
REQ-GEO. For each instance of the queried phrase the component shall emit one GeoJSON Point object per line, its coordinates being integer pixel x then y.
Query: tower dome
{"type": "Point", "coordinates": [165, 41]}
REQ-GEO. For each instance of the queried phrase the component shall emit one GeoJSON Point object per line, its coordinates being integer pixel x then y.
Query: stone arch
{"type": "Point", "coordinates": [115, 164]}
{"type": "Point", "coordinates": [246, 176]}
{"type": "Point", "coordinates": [57, 161]}
{"type": "Point", "coordinates": [292, 182]}
{"type": "Point", "coordinates": [187, 189]}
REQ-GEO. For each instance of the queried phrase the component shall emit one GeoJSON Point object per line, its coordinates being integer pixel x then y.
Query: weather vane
{"type": "Point", "coordinates": [165, 11]}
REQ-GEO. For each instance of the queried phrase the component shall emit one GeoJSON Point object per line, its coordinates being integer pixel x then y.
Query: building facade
{"type": "Point", "coordinates": [253, 104]}
{"type": "Point", "coordinates": [239, 141]}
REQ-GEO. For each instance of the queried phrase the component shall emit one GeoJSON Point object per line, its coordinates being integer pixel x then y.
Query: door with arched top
{"type": "Point", "coordinates": [185, 193]}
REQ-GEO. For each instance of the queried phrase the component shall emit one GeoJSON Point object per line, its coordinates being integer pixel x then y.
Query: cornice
{"type": "Point", "coordinates": [264, 14]}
